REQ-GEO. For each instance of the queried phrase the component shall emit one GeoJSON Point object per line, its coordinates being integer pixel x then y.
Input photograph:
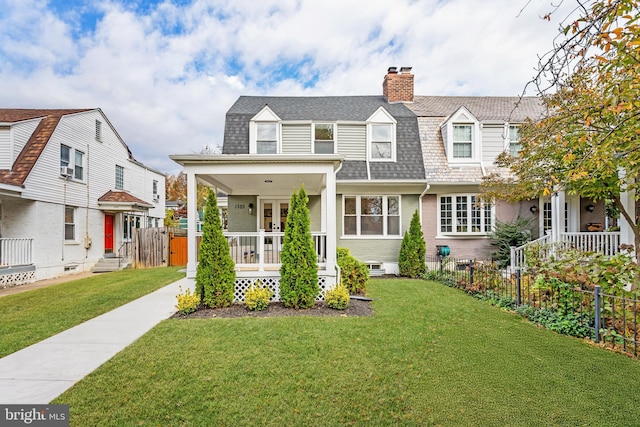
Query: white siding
{"type": "Point", "coordinates": [296, 139]}
{"type": "Point", "coordinates": [21, 132]}
{"type": "Point", "coordinates": [492, 142]}
{"type": "Point", "coordinates": [352, 141]}
{"type": "Point", "coordinates": [5, 147]}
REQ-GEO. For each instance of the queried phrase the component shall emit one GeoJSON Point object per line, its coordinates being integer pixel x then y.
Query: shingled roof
{"type": "Point", "coordinates": [122, 197]}
{"type": "Point", "coordinates": [333, 108]}
{"type": "Point", "coordinates": [38, 140]}
{"type": "Point", "coordinates": [485, 108]}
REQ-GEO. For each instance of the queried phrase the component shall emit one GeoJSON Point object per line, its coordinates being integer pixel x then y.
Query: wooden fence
{"type": "Point", "coordinates": [155, 247]}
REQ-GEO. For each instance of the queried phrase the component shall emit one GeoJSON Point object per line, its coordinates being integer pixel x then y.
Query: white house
{"type": "Point", "coordinates": [70, 193]}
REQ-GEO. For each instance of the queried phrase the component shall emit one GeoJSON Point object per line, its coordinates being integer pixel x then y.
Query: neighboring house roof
{"type": "Point", "coordinates": [122, 197]}
{"type": "Point", "coordinates": [408, 166]}
{"type": "Point", "coordinates": [485, 108]}
{"type": "Point", "coordinates": [38, 140]}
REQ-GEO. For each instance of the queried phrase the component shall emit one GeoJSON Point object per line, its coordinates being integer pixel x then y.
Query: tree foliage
{"type": "Point", "coordinates": [586, 142]}
{"type": "Point", "coordinates": [176, 189]}
{"type": "Point", "coordinates": [215, 275]}
{"type": "Point", "coordinates": [411, 260]}
{"type": "Point", "coordinates": [299, 269]}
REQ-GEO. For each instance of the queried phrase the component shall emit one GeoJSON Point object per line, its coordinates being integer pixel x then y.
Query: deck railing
{"type": "Point", "coordinates": [16, 251]}
{"type": "Point", "coordinates": [607, 243]}
{"type": "Point", "coordinates": [261, 249]}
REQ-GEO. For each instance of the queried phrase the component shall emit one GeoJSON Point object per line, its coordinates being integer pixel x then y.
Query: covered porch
{"type": "Point", "coordinates": [259, 188]}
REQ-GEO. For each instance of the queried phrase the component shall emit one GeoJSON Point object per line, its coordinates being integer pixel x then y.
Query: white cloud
{"type": "Point", "coordinates": [166, 79]}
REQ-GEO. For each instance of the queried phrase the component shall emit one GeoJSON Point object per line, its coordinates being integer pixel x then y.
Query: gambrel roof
{"type": "Point", "coordinates": [408, 165]}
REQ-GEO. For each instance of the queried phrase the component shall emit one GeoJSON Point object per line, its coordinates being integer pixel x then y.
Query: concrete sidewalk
{"type": "Point", "coordinates": [43, 371]}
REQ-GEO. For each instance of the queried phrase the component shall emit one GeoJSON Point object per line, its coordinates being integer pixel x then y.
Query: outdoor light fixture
{"type": "Point", "coordinates": [533, 209]}
{"type": "Point", "coordinates": [250, 208]}
{"type": "Point", "coordinates": [590, 208]}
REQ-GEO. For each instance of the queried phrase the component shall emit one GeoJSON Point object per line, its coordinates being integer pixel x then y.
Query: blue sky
{"type": "Point", "coordinates": [165, 72]}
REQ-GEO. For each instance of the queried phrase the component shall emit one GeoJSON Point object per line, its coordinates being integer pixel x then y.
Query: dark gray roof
{"type": "Point", "coordinates": [408, 166]}
{"type": "Point", "coordinates": [485, 108]}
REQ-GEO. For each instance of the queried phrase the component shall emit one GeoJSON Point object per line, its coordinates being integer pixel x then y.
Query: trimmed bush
{"type": "Point", "coordinates": [215, 276]}
{"type": "Point", "coordinates": [411, 260]}
{"type": "Point", "coordinates": [353, 273]}
{"type": "Point", "coordinates": [299, 270]}
{"type": "Point", "coordinates": [257, 297]}
{"type": "Point", "coordinates": [337, 297]}
{"type": "Point", "coordinates": [188, 302]}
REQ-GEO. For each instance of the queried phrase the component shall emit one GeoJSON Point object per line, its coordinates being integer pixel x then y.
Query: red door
{"type": "Point", "coordinates": [108, 233]}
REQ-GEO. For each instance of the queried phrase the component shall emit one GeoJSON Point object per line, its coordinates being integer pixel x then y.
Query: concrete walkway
{"type": "Point", "coordinates": [43, 371]}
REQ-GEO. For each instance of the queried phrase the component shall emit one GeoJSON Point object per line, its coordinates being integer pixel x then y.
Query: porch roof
{"type": "Point", "coordinates": [122, 201]}
{"type": "Point", "coordinates": [249, 174]}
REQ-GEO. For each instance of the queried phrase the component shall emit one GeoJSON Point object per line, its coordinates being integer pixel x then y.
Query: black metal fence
{"type": "Point", "coordinates": [566, 308]}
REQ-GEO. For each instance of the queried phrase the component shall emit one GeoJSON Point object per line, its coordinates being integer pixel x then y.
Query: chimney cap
{"type": "Point", "coordinates": [392, 70]}
{"type": "Point", "coordinates": [405, 69]}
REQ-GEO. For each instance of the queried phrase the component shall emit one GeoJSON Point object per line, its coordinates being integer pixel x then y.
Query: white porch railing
{"type": "Point", "coordinates": [260, 250]}
{"type": "Point", "coordinates": [607, 243]}
{"type": "Point", "coordinates": [16, 251]}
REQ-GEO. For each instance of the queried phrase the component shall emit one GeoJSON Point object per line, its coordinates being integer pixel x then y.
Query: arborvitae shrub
{"type": "Point", "coordinates": [299, 270]}
{"type": "Point", "coordinates": [411, 260]}
{"type": "Point", "coordinates": [353, 273]}
{"type": "Point", "coordinates": [215, 276]}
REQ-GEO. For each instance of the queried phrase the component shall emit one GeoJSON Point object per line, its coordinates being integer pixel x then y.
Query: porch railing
{"type": "Point", "coordinates": [607, 243]}
{"type": "Point", "coordinates": [262, 249]}
{"type": "Point", "coordinates": [16, 251]}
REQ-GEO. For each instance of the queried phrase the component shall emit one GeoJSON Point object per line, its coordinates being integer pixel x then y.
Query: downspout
{"type": "Point", "coordinates": [424, 192]}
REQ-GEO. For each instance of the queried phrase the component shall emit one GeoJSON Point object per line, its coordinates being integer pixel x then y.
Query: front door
{"type": "Point", "coordinates": [274, 215]}
{"type": "Point", "coordinates": [108, 233]}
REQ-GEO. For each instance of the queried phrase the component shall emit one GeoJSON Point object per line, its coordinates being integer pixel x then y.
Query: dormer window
{"type": "Point", "coordinates": [381, 131]}
{"type": "Point", "coordinates": [324, 138]}
{"type": "Point", "coordinates": [462, 141]}
{"type": "Point", "coordinates": [267, 138]}
{"type": "Point", "coordinates": [514, 140]}
{"type": "Point", "coordinates": [461, 136]}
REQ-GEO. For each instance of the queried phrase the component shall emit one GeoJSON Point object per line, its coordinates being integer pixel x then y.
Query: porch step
{"type": "Point", "coordinates": [109, 263]}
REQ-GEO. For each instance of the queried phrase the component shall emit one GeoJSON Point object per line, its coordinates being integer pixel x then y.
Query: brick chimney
{"type": "Point", "coordinates": [398, 87]}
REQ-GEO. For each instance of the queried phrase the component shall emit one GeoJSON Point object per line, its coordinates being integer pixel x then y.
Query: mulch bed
{"type": "Point", "coordinates": [276, 309]}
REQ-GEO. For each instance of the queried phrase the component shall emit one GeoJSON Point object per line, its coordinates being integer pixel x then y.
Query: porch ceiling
{"type": "Point", "coordinates": [265, 184]}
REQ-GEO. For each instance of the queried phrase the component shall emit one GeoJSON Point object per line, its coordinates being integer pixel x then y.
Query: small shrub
{"type": "Point", "coordinates": [353, 273]}
{"type": "Point", "coordinates": [257, 298]}
{"type": "Point", "coordinates": [188, 302]}
{"type": "Point", "coordinates": [507, 234]}
{"type": "Point", "coordinates": [411, 260]}
{"type": "Point", "coordinates": [337, 297]}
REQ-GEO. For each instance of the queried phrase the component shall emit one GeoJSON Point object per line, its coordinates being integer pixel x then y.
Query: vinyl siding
{"type": "Point", "coordinates": [21, 132]}
{"type": "Point", "coordinates": [296, 139]}
{"type": "Point", "coordinates": [352, 141]}
{"type": "Point", "coordinates": [5, 148]}
{"type": "Point", "coordinates": [492, 142]}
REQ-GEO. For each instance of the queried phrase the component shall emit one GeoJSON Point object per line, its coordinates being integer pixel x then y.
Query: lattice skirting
{"type": "Point", "coordinates": [273, 283]}
{"type": "Point", "coordinates": [17, 279]}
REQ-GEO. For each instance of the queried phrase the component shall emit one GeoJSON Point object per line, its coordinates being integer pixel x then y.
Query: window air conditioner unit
{"type": "Point", "coordinates": [66, 171]}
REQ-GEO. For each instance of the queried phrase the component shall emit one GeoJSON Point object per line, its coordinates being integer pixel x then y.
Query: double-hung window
{"type": "Point", "coordinates": [98, 130]}
{"type": "Point", "coordinates": [514, 140]}
{"type": "Point", "coordinates": [324, 138]}
{"type": "Point", "coordinates": [371, 216]}
{"type": "Point", "coordinates": [119, 177]}
{"type": "Point", "coordinates": [462, 214]}
{"type": "Point", "coordinates": [72, 159]}
{"type": "Point", "coordinates": [69, 223]}
{"type": "Point", "coordinates": [381, 141]}
{"type": "Point", "coordinates": [462, 141]}
{"type": "Point", "coordinates": [267, 138]}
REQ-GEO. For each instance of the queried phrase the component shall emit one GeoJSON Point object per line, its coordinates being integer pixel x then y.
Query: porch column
{"type": "Point", "coordinates": [557, 215]}
{"type": "Point", "coordinates": [192, 218]}
{"type": "Point", "coordinates": [628, 200]}
{"type": "Point", "coordinates": [330, 214]}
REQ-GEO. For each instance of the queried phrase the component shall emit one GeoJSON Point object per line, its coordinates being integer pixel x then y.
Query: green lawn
{"type": "Point", "coordinates": [431, 355]}
{"type": "Point", "coordinates": [32, 316]}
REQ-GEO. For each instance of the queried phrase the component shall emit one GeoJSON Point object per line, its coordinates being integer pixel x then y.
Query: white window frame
{"type": "Point", "coordinates": [265, 116]}
{"type": "Point", "coordinates": [119, 179]}
{"type": "Point", "coordinates": [72, 162]}
{"type": "Point", "coordinates": [464, 142]}
{"type": "Point", "coordinates": [470, 214]}
{"type": "Point", "coordinates": [98, 130]}
{"type": "Point", "coordinates": [511, 142]}
{"type": "Point", "coordinates": [381, 117]}
{"type": "Point", "coordinates": [385, 214]}
{"type": "Point", "coordinates": [71, 224]}
{"type": "Point", "coordinates": [313, 136]}
{"type": "Point", "coordinates": [462, 117]}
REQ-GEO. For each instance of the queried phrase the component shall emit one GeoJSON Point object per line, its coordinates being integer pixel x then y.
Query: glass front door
{"type": "Point", "coordinates": [274, 215]}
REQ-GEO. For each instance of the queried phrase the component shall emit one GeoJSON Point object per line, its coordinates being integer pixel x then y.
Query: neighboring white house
{"type": "Point", "coordinates": [70, 193]}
